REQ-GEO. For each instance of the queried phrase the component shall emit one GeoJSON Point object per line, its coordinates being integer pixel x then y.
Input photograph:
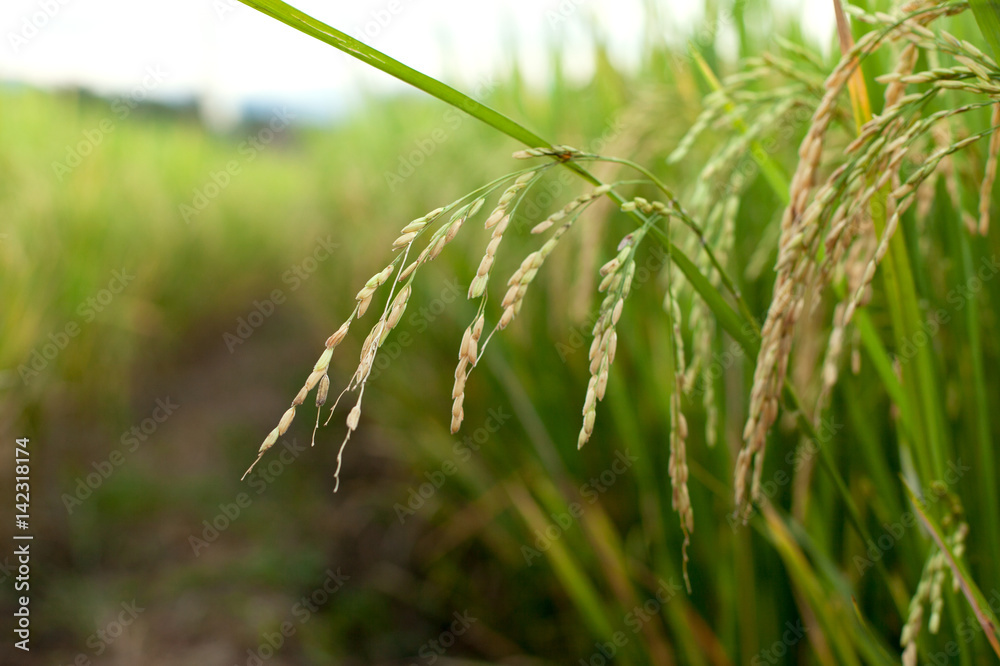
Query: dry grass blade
{"type": "Point", "coordinates": [856, 82]}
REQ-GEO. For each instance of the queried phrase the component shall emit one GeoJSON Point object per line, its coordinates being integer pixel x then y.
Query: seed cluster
{"type": "Point", "coordinates": [441, 237]}
{"type": "Point", "coordinates": [678, 467]}
{"type": "Point", "coordinates": [851, 221]}
{"type": "Point", "coordinates": [869, 179]}
{"type": "Point", "coordinates": [931, 585]}
{"type": "Point", "coordinates": [364, 297]}
{"type": "Point", "coordinates": [396, 302]}
{"type": "Point", "coordinates": [703, 333]}
{"type": "Point", "coordinates": [468, 354]}
{"type": "Point", "coordinates": [318, 377]}
{"type": "Point", "coordinates": [517, 285]}
{"type": "Point", "coordinates": [616, 280]}
{"type": "Point", "coordinates": [788, 300]}
{"type": "Point", "coordinates": [498, 221]}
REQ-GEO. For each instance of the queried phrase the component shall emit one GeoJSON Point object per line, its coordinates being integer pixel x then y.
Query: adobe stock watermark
{"type": "Point", "coordinates": [704, 37]}
{"type": "Point", "coordinates": [721, 362]}
{"type": "Point", "coordinates": [590, 492]}
{"type": "Point", "coordinates": [103, 638]}
{"type": "Point", "coordinates": [759, 151]}
{"type": "Point", "coordinates": [420, 321]}
{"type": "Point", "coordinates": [634, 620]}
{"type": "Point", "coordinates": [432, 650]}
{"type": "Point", "coordinates": [229, 512]}
{"type": "Point", "coordinates": [34, 23]}
{"type": "Point", "coordinates": [223, 7]}
{"type": "Point", "coordinates": [378, 20]}
{"type": "Point", "coordinates": [877, 548]}
{"type": "Point", "coordinates": [775, 653]}
{"type": "Point", "coordinates": [130, 440]}
{"type": "Point", "coordinates": [461, 453]}
{"type": "Point", "coordinates": [121, 108]}
{"type": "Point", "coordinates": [294, 277]}
{"type": "Point", "coordinates": [88, 310]}
{"type": "Point", "coordinates": [563, 11]}
{"type": "Point", "coordinates": [301, 612]}
{"type": "Point", "coordinates": [580, 334]}
{"type": "Point", "coordinates": [248, 150]}
{"type": "Point", "coordinates": [957, 298]}
{"type": "Point", "coordinates": [7, 569]}
{"type": "Point", "coordinates": [375, 22]}
{"type": "Point", "coordinates": [427, 145]}
{"type": "Point", "coordinates": [827, 430]}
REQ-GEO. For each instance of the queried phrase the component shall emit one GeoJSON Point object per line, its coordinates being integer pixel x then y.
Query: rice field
{"type": "Point", "coordinates": [733, 309]}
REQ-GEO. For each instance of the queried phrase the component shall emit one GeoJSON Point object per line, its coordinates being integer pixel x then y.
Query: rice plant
{"type": "Point", "coordinates": [881, 259]}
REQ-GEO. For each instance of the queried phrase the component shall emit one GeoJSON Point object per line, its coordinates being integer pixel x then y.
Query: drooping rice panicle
{"type": "Point", "coordinates": [843, 200]}
{"type": "Point", "coordinates": [855, 220]}
{"type": "Point", "coordinates": [517, 287]}
{"type": "Point", "coordinates": [498, 221]}
{"type": "Point", "coordinates": [396, 302]}
{"type": "Point", "coordinates": [725, 160]}
{"type": "Point", "coordinates": [929, 592]}
{"type": "Point", "coordinates": [793, 260]}
{"type": "Point", "coordinates": [812, 82]}
{"type": "Point", "coordinates": [468, 354]}
{"type": "Point", "coordinates": [827, 237]}
{"type": "Point", "coordinates": [705, 119]}
{"type": "Point", "coordinates": [904, 196]}
{"type": "Point", "coordinates": [391, 315]}
{"type": "Point", "coordinates": [616, 282]}
{"type": "Point", "coordinates": [678, 466]}
{"type": "Point", "coordinates": [803, 54]}
{"type": "Point", "coordinates": [318, 376]}
{"type": "Point", "coordinates": [704, 366]}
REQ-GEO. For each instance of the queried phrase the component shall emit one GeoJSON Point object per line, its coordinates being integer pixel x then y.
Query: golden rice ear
{"type": "Point", "coordinates": [319, 375]}
{"type": "Point", "coordinates": [793, 256]}
{"type": "Point", "coordinates": [617, 281]}
{"type": "Point", "coordinates": [467, 356]}
{"type": "Point", "coordinates": [869, 178]}
{"type": "Point", "coordinates": [678, 466]}
{"type": "Point", "coordinates": [619, 273]}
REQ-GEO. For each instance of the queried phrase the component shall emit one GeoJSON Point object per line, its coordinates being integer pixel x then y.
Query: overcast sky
{"type": "Point", "coordinates": [230, 56]}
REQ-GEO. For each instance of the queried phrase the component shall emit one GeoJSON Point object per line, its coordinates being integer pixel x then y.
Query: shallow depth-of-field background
{"type": "Point", "coordinates": [147, 348]}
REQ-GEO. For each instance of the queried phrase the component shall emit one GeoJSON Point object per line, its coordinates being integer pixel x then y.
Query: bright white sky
{"type": "Point", "coordinates": [231, 57]}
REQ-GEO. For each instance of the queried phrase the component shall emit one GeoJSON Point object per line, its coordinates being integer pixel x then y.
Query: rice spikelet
{"type": "Point", "coordinates": [617, 282]}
